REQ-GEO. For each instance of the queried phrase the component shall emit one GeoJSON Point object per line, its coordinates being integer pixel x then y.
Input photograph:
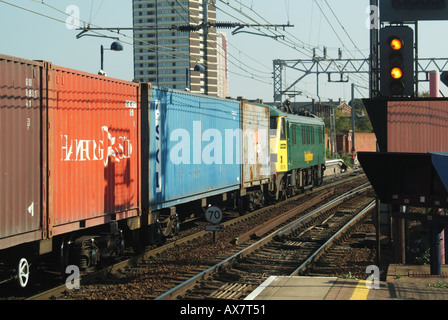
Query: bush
{"type": "Point", "coordinates": [424, 259]}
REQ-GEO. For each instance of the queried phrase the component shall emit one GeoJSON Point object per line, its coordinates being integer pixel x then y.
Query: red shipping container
{"type": "Point", "coordinates": [93, 150]}
{"type": "Point", "coordinates": [417, 126]}
{"type": "Point", "coordinates": [20, 148]}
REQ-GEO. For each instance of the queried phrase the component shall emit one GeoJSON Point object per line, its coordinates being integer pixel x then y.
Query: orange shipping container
{"type": "Point", "coordinates": [93, 150]}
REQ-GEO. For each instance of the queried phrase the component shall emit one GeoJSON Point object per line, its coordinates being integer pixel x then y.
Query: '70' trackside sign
{"type": "Point", "coordinates": [213, 215]}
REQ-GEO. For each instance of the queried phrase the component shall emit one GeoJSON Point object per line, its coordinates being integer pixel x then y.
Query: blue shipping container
{"type": "Point", "coordinates": [195, 147]}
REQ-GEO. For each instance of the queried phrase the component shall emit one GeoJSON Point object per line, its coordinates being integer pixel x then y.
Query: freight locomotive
{"type": "Point", "coordinates": [88, 162]}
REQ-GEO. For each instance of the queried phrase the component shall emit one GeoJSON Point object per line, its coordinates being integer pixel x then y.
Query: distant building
{"type": "Point", "coordinates": [166, 57]}
{"type": "Point", "coordinates": [345, 108]}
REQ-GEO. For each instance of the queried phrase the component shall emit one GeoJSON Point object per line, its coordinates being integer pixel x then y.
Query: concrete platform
{"type": "Point", "coordinates": [402, 283]}
{"type": "Point", "coordinates": [293, 288]}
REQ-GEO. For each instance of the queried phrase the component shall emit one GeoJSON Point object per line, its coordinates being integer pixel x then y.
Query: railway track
{"type": "Point", "coordinates": [287, 251]}
{"type": "Point", "coordinates": [158, 270]}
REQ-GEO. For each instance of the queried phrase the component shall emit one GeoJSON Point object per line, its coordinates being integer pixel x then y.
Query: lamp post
{"type": "Point", "coordinates": [197, 67]}
{"type": "Point", "coordinates": [353, 124]}
{"type": "Point", "coordinates": [115, 46]}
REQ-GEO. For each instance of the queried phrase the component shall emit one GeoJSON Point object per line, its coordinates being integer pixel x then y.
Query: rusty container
{"type": "Point", "coordinates": [93, 150]}
{"type": "Point", "coordinates": [20, 147]}
{"type": "Point", "coordinates": [417, 125]}
{"type": "Point", "coordinates": [255, 142]}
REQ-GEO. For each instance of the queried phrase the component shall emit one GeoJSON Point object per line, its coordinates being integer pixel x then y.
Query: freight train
{"type": "Point", "coordinates": [89, 163]}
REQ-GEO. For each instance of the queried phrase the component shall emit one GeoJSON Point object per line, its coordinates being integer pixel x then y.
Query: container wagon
{"type": "Point", "coordinates": [70, 160]}
{"type": "Point", "coordinates": [194, 156]}
{"type": "Point", "coordinates": [88, 161]}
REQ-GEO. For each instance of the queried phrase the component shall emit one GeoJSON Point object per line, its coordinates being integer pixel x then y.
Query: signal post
{"type": "Point", "coordinates": [407, 173]}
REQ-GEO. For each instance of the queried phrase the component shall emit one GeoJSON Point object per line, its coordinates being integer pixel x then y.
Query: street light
{"type": "Point", "coordinates": [115, 46]}
{"type": "Point", "coordinates": [197, 67]}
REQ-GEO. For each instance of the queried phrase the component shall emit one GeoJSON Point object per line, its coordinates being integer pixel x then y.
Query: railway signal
{"type": "Point", "coordinates": [397, 61]}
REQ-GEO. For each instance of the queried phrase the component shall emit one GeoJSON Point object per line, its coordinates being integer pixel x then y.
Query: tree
{"type": "Point", "coordinates": [343, 120]}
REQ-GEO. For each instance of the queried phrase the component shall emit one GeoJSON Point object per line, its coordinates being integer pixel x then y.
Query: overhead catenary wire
{"type": "Point", "coordinates": [97, 32]}
{"type": "Point", "coordinates": [360, 76]}
{"type": "Point", "coordinates": [337, 35]}
{"type": "Point", "coordinates": [251, 8]}
{"type": "Point", "coordinates": [343, 28]}
{"type": "Point", "coordinates": [302, 44]}
{"type": "Point", "coordinates": [239, 62]}
{"type": "Point", "coordinates": [252, 75]}
{"type": "Point", "coordinates": [268, 31]}
{"type": "Point", "coordinates": [248, 74]}
{"type": "Point", "coordinates": [143, 44]}
{"type": "Point", "coordinates": [338, 68]}
{"type": "Point", "coordinates": [229, 14]}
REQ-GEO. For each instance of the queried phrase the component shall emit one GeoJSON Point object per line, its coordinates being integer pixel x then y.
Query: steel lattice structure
{"type": "Point", "coordinates": [340, 67]}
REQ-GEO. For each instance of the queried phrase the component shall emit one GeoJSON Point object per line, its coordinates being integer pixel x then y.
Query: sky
{"type": "Point", "coordinates": [42, 33]}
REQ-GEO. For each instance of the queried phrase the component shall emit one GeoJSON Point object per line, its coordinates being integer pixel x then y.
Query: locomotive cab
{"type": "Point", "coordinates": [278, 144]}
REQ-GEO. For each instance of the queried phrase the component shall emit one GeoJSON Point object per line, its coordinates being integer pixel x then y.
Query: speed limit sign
{"type": "Point", "coordinates": [213, 215]}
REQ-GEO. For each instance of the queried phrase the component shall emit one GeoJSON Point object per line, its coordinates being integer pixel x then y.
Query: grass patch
{"type": "Point", "coordinates": [348, 276]}
{"type": "Point", "coordinates": [439, 284]}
